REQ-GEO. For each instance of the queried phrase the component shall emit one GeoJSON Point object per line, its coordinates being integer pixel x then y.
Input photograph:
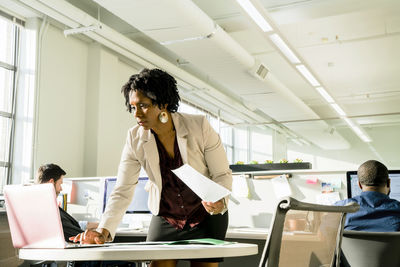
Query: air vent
{"type": "Point", "coordinates": [260, 71]}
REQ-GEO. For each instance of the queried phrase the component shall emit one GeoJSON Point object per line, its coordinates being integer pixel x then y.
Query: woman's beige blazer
{"type": "Point", "coordinates": [200, 147]}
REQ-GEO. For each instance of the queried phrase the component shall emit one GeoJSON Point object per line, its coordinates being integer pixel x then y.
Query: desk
{"type": "Point", "coordinates": [232, 233]}
{"type": "Point", "coordinates": [256, 236]}
{"type": "Point", "coordinates": [140, 252]}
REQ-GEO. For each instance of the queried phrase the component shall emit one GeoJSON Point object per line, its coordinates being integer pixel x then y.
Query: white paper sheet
{"type": "Point", "coordinates": [239, 186]}
{"type": "Point", "coordinates": [281, 186]}
{"type": "Point", "coordinates": [327, 198]}
{"type": "Point", "coordinates": [204, 187]}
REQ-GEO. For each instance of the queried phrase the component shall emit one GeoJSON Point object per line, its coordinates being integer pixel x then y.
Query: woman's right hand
{"type": "Point", "coordinates": [90, 237]}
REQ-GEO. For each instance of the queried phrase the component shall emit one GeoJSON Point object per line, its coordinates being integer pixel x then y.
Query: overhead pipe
{"type": "Point", "coordinates": [202, 25]}
{"type": "Point", "coordinates": [74, 17]}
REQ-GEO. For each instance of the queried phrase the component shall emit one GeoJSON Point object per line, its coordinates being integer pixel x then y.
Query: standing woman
{"type": "Point", "coordinates": [164, 140]}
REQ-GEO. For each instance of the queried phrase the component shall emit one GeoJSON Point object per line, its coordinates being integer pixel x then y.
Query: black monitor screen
{"type": "Point", "coordinates": [354, 190]}
{"type": "Point", "coordinates": [139, 201]}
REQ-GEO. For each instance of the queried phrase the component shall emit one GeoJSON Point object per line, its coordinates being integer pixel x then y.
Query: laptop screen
{"type": "Point", "coordinates": [354, 190]}
{"type": "Point", "coordinates": [33, 216]}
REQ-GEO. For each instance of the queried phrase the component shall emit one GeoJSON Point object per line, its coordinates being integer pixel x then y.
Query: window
{"type": "Point", "coordinates": [17, 74]}
{"type": "Point", "coordinates": [24, 111]}
{"type": "Point", "coordinates": [241, 145]}
{"type": "Point", "coordinates": [261, 145]}
{"type": "Point", "coordinates": [226, 134]}
{"type": "Point", "coordinates": [9, 33]}
{"type": "Point", "coordinates": [187, 108]}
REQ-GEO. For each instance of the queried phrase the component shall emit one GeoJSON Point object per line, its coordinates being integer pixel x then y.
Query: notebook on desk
{"type": "Point", "coordinates": [34, 219]}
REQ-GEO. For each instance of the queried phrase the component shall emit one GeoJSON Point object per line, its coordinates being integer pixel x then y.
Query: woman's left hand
{"type": "Point", "coordinates": [214, 208]}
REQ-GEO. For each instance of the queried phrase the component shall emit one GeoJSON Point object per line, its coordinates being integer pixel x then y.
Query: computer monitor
{"type": "Point", "coordinates": [139, 201]}
{"type": "Point", "coordinates": [354, 190]}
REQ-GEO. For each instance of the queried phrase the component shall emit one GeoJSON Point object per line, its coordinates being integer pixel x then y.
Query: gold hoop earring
{"type": "Point", "coordinates": [163, 117]}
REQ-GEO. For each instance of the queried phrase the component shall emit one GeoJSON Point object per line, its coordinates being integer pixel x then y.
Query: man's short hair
{"type": "Point", "coordinates": [49, 171]}
{"type": "Point", "coordinates": [372, 173]}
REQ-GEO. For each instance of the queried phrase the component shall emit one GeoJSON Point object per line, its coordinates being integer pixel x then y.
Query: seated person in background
{"type": "Point", "coordinates": [378, 212]}
{"type": "Point", "coordinates": [52, 173]}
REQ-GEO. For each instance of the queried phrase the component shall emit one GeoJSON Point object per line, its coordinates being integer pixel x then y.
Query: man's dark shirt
{"type": "Point", "coordinates": [377, 213]}
{"type": "Point", "coordinates": [69, 224]}
{"type": "Point", "coordinates": [71, 228]}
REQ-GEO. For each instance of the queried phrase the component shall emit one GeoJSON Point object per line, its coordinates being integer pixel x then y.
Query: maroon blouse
{"type": "Point", "coordinates": [179, 205]}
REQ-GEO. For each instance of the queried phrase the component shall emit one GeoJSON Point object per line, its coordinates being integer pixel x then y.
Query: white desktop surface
{"type": "Point", "coordinates": [237, 233]}
{"type": "Point", "coordinates": [247, 233]}
{"type": "Point", "coordinates": [140, 252]}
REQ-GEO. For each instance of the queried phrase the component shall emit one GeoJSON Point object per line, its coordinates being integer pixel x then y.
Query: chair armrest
{"type": "Point", "coordinates": [291, 203]}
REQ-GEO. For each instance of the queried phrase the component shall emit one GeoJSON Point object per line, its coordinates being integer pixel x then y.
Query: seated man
{"type": "Point", "coordinates": [378, 212]}
{"type": "Point", "coordinates": [52, 173]}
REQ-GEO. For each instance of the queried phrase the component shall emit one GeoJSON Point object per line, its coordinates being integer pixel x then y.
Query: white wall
{"type": "Point", "coordinates": [114, 120]}
{"type": "Point", "coordinates": [61, 106]}
{"type": "Point", "coordinates": [82, 120]}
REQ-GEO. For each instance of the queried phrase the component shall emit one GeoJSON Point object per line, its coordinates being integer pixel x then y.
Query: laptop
{"type": "Point", "coordinates": [34, 219]}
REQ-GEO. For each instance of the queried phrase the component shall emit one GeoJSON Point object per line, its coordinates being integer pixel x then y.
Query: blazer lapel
{"type": "Point", "coordinates": [181, 135]}
{"type": "Point", "coordinates": [151, 154]}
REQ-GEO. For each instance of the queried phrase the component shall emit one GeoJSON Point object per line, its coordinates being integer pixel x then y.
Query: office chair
{"type": "Point", "coordinates": [305, 234]}
{"type": "Point", "coordinates": [372, 249]}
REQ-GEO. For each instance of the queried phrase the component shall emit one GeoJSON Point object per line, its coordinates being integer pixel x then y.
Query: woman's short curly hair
{"type": "Point", "coordinates": [157, 85]}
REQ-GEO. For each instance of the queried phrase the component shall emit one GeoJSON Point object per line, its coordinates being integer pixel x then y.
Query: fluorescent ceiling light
{"type": "Point", "coordinates": [349, 122]}
{"type": "Point", "coordinates": [255, 15]}
{"type": "Point", "coordinates": [284, 48]}
{"type": "Point", "coordinates": [338, 109]}
{"type": "Point", "coordinates": [82, 29]}
{"type": "Point", "coordinates": [307, 74]}
{"type": "Point", "coordinates": [360, 133]}
{"type": "Point", "coordinates": [305, 142]}
{"type": "Point", "coordinates": [357, 131]}
{"type": "Point", "coordinates": [366, 138]}
{"type": "Point", "coordinates": [297, 142]}
{"type": "Point", "coordinates": [325, 95]}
